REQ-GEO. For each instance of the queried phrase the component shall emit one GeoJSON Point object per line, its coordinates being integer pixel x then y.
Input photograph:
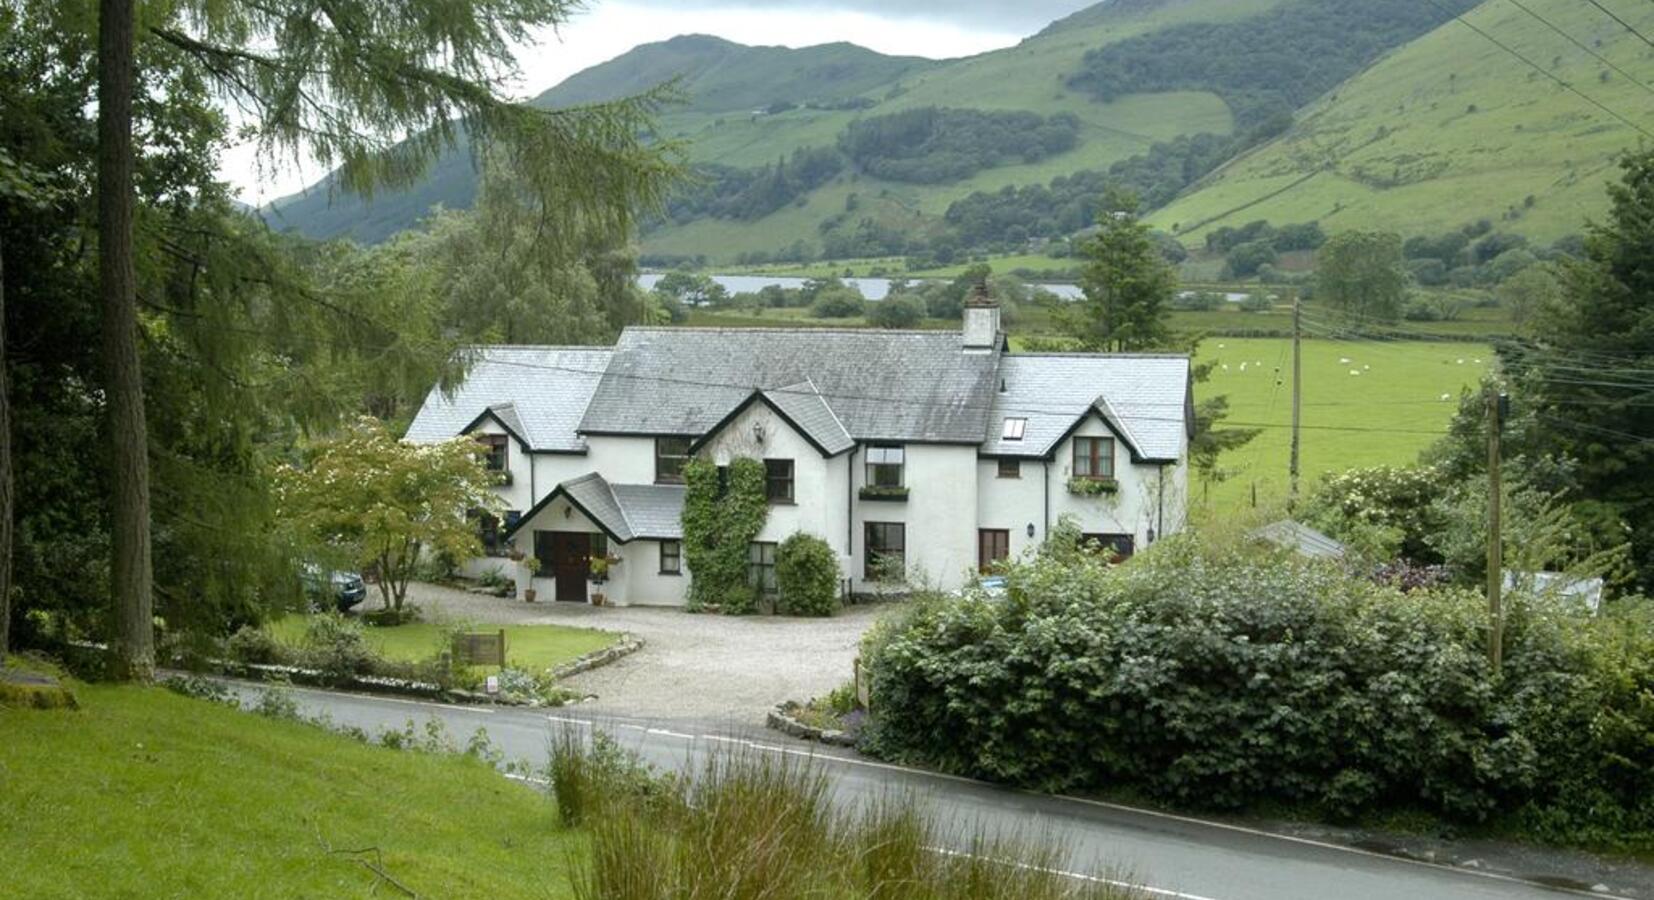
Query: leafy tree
{"type": "Point", "coordinates": [1128, 286]}
{"type": "Point", "coordinates": [387, 503]}
{"type": "Point", "coordinates": [1244, 260]}
{"type": "Point", "coordinates": [901, 311]}
{"type": "Point", "coordinates": [838, 302]}
{"type": "Point", "coordinates": [1589, 377]}
{"type": "Point", "coordinates": [240, 350]}
{"type": "Point", "coordinates": [1527, 292]}
{"type": "Point", "coordinates": [1360, 274]}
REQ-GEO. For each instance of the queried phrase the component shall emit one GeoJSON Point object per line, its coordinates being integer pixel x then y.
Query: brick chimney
{"type": "Point", "coordinates": [981, 319]}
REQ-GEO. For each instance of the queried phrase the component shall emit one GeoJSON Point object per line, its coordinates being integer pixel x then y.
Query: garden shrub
{"type": "Point", "coordinates": [254, 644]}
{"type": "Point", "coordinates": [806, 571]}
{"type": "Point", "coordinates": [1236, 677]}
{"type": "Point", "coordinates": [334, 645]}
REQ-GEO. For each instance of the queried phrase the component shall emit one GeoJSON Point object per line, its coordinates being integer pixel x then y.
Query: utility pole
{"type": "Point", "coordinates": [1495, 542]}
{"type": "Point", "coordinates": [1297, 395]}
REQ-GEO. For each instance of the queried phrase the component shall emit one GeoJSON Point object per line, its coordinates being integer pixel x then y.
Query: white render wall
{"type": "Point", "coordinates": [951, 494]}
{"type": "Point", "coordinates": [1133, 510]}
{"type": "Point", "coordinates": [940, 515]}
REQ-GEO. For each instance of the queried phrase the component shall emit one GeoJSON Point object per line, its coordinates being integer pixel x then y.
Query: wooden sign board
{"type": "Point", "coordinates": [480, 649]}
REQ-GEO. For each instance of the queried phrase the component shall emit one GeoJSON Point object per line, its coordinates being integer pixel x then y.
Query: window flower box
{"type": "Point", "coordinates": [883, 493]}
{"type": "Point", "coordinates": [502, 477]}
{"type": "Point", "coordinates": [1093, 487]}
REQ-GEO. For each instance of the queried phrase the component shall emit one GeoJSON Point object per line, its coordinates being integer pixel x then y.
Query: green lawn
{"type": "Point", "coordinates": [1384, 415]}
{"type": "Point", "coordinates": [527, 647]}
{"type": "Point", "coordinates": [143, 793]}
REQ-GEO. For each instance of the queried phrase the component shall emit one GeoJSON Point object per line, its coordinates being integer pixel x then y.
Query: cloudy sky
{"type": "Point", "coordinates": [933, 28]}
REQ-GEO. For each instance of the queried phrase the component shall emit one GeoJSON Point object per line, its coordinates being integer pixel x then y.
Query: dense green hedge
{"type": "Point", "coordinates": [1232, 678]}
{"type": "Point", "coordinates": [806, 571]}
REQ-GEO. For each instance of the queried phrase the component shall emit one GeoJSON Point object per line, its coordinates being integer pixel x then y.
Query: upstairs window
{"type": "Point", "coordinates": [670, 455]}
{"type": "Point", "coordinates": [1014, 429]}
{"type": "Point", "coordinates": [778, 480]}
{"type": "Point", "coordinates": [1010, 468]}
{"type": "Point", "coordinates": [496, 445]}
{"type": "Point", "coordinates": [1093, 457]}
{"type": "Point", "coordinates": [884, 465]}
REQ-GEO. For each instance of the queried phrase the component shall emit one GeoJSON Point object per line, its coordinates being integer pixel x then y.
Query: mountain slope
{"type": "Point", "coordinates": [727, 84]}
{"type": "Point", "coordinates": [713, 75]}
{"type": "Point", "coordinates": [1449, 129]}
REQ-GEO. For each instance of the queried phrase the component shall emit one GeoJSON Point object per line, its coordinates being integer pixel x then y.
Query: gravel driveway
{"type": "Point", "coordinates": [707, 668]}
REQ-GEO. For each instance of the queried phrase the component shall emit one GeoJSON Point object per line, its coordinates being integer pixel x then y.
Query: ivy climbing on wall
{"type": "Point", "coordinates": [723, 511]}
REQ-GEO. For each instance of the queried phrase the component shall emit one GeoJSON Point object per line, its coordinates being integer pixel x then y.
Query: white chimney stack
{"type": "Point", "coordinates": [981, 320]}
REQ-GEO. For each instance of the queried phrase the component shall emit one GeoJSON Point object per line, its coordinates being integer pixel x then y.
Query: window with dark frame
{"type": "Point", "coordinates": [671, 453]}
{"type": "Point", "coordinates": [1093, 457]}
{"type": "Point", "coordinates": [1010, 468]}
{"type": "Point", "coordinates": [992, 545]}
{"type": "Point", "coordinates": [884, 465]}
{"type": "Point", "coordinates": [498, 445]}
{"type": "Point", "coordinates": [886, 548]}
{"type": "Point", "coordinates": [761, 567]}
{"type": "Point", "coordinates": [778, 480]}
{"type": "Point", "coordinates": [1118, 547]}
{"type": "Point", "coordinates": [671, 558]}
{"type": "Point", "coordinates": [599, 545]}
{"type": "Point", "coordinates": [488, 531]}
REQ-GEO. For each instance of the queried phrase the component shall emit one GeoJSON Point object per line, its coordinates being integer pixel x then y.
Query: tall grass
{"type": "Point", "coordinates": [749, 826]}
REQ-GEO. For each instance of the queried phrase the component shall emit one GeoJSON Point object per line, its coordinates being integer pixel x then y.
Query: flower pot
{"type": "Point", "coordinates": [529, 594]}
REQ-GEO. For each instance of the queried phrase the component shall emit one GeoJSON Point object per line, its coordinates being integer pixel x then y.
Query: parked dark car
{"type": "Point", "coordinates": [345, 589]}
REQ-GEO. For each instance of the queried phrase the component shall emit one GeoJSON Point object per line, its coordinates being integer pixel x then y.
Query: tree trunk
{"type": "Point", "coordinates": [133, 646]}
{"type": "Point", "coordinates": [5, 478]}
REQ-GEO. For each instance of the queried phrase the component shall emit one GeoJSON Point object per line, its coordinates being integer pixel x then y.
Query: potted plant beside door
{"type": "Point", "coordinates": [534, 568]}
{"type": "Point", "coordinates": [598, 577]}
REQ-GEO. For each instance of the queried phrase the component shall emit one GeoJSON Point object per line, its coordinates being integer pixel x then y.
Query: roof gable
{"type": "Point", "coordinates": [1143, 398]}
{"type": "Point", "coordinates": [546, 389]}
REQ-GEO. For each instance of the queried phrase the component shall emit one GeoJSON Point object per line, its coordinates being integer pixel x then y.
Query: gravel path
{"type": "Point", "coordinates": [706, 668]}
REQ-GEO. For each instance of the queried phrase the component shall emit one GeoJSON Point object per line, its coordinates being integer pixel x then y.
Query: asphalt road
{"type": "Point", "coordinates": [1167, 856]}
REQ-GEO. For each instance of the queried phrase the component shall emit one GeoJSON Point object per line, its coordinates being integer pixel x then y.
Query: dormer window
{"type": "Point", "coordinates": [1014, 429]}
{"type": "Point", "coordinates": [496, 445]}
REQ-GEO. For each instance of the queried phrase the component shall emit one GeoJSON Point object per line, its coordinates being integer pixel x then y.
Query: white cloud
{"type": "Point", "coordinates": [610, 29]}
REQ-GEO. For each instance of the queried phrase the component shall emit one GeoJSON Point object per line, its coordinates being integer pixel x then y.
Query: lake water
{"type": "Point", "coordinates": [871, 288]}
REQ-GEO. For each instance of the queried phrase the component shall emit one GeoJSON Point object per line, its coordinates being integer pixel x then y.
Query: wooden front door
{"type": "Point", "coordinates": [567, 557]}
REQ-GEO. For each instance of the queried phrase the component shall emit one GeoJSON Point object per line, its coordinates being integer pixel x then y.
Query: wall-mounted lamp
{"type": "Point", "coordinates": [1030, 529]}
{"type": "Point", "coordinates": [568, 512]}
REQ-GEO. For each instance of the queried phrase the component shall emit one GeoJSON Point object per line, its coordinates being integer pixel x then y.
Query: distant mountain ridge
{"type": "Point", "coordinates": [754, 115]}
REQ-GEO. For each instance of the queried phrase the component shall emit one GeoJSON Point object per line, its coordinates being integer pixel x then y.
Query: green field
{"type": "Point", "coordinates": [143, 793]}
{"type": "Point", "coordinates": [1383, 416]}
{"type": "Point", "coordinates": [527, 647]}
{"type": "Point", "coordinates": [1449, 129]}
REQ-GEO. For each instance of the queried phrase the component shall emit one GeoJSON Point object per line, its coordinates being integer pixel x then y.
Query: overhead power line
{"type": "Point", "coordinates": [1541, 69]}
{"type": "Point", "coordinates": [1581, 45]}
{"type": "Point", "coordinates": [1623, 24]}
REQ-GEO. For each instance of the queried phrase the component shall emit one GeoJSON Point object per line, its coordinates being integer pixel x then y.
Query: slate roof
{"type": "Point", "coordinates": [1292, 535]}
{"type": "Point", "coordinates": [1145, 398]}
{"type": "Point", "coordinates": [837, 386]}
{"type": "Point", "coordinates": [882, 385]}
{"type": "Point", "coordinates": [546, 389]}
{"type": "Point", "coordinates": [626, 512]}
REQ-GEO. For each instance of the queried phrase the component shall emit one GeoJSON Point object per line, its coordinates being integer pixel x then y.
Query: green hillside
{"type": "Point", "coordinates": [1450, 129]}
{"type": "Point", "coordinates": [729, 89]}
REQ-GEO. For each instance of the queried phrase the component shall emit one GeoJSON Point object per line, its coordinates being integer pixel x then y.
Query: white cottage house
{"type": "Point", "coordinates": [938, 450]}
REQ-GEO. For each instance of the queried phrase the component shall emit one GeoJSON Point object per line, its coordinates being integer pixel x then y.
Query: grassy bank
{"type": "Point", "coordinates": [142, 793]}
{"type": "Point", "coordinates": [527, 647]}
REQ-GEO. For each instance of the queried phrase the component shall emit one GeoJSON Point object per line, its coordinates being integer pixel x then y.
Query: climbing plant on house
{"type": "Point", "coordinates": [723, 511]}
